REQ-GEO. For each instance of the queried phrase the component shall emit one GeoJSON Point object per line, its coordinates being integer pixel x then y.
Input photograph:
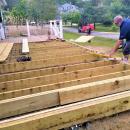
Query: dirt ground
{"type": "Point", "coordinates": [117, 122]}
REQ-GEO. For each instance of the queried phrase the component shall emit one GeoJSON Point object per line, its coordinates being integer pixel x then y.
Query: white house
{"type": "Point", "coordinates": [68, 7]}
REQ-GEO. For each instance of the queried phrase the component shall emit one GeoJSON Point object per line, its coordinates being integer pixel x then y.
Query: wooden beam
{"type": "Point", "coordinates": [48, 87]}
{"type": "Point", "coordinates": [72, 94]}
{"type": "Point", "coordinates": [52, 70]}
{"type": "Point", "coordinates": [94, 89]}
{"type": "Point", "coordinates": [29, 103]}
{"type": "Point", "coordinates": [61, 77]}
{"type": "Point", "coordinates": [68, 115]}
{"type": "Point", "coordinates": [15, 67]}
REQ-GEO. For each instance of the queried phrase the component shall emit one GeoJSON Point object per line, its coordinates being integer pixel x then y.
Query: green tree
{"type": "Point", "coordinates": [19, 12]}
{"type": "Point", "coordinates": [72, 17]}
{"type": "Point", "coordinates": [42, 10]}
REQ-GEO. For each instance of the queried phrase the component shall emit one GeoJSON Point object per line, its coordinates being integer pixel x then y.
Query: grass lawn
{"type": "Point", "coordinates": [96, 41]}
{"type": "Point", "coordinates": [103, 28]}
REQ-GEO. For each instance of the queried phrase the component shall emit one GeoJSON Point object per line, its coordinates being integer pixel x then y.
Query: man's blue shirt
{"type": "Point", "coordinates": [125, 30]}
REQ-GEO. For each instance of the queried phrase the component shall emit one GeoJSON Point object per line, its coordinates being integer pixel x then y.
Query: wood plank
{"type": "Point", "coordinates": [4, 54]}
{"type": "Point", "coordinates": [94, 89]}
{"type": "Point", "coordinates": [72, 94]}
{"type": "Point", "coordinates": [52, 70]}
{"type": "Point", "coordinates": [68, 115]}
{"type": "Point", "coordinates": [25, 46]}
{"type": "Point", "coordinates": [84, 39]}
{"type": "Point", "coordinates": [2, 47]}
{"type": "Point", "coordinates": [16, 67]}
{"type": "Point", "coordinates": [28, 103]}
{"type": "Point", "coordinates": [43, 88]}
{"type": "Point", "coordinates": [61, 77]}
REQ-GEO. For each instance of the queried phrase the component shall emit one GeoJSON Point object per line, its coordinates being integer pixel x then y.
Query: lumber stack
{"type": "Point", "coordinates": [61, 86]}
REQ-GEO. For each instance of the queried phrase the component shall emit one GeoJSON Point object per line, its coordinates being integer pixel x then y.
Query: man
{"type": "Point", "coordinates": [124, 38]}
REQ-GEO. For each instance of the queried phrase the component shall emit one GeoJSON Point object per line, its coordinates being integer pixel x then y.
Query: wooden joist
{"type": "Point", "coordinates": [44, 55]}
{"type": "Point", "coordinates": [53, 70]}
{"type": "Point", "coordinates": [15, 67]}
{"type": "Point", "coordinates": [68, 95]}
{"type": "Point", "coordinates": [68, 115]}
{"type": "Point", "coordinates": [57, 50]}
{"type": "Point", "coordinates": [61, 77]}
{"type": "Point", "coordinates": [48, 87]}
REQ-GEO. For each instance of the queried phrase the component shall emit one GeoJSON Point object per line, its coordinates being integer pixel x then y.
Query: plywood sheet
{"type": "Point", "coordinates": [84, 38]}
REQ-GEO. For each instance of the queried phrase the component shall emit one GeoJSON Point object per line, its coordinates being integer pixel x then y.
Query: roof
{"type": "Point", "coordinates": [67, 8]}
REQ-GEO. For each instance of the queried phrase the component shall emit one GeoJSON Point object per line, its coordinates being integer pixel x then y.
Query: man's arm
{"type": "Point", "coordinates": [118, 43]}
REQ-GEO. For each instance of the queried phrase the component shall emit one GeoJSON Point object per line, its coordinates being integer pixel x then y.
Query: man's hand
{"type": "Point", "coordinates": [111, 53]}
{"type": "Point", "coordinates": [118, 43]}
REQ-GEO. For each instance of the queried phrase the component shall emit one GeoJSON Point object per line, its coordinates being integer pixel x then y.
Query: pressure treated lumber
{"type": "Point", "coordinates": [68, 115]}
{"type": "Point", "coordinates": [25, 46]}
{"type": "Point", "coordinates": [48, 87]}
{"type": "Point", "coordinates": [36, 55]}
{"type": "Point", "coordinates": [72, 94]}
{"type": "Point", "coordinates": [30, 103]}
{"type": "Point", "coordinates": [55, 78]}
{"type": "Point", "coordinates": [94, 89]}
{"type": "Point", "coordinates": [45, 53]}
{"type": "Point", "coordinates": [22, 66]}
{"type": "Point", "coordinates": [58, 50]}
{"type": "Point", "coordinates": [52, 70]}
{"type": "Point", "coordinates": [5, 50]}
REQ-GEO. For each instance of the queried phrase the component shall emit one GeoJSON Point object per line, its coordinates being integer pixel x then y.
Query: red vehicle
{"type": "Point", "coordinates": [84, 26]}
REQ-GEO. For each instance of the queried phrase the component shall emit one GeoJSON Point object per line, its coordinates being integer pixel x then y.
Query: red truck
{"type": "Point", "coordinates": [84, 26]}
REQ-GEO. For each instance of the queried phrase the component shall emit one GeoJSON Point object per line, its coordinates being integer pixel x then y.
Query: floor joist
{"type": "Point", "coordinates": [61, 77]}
{"type": "Point", "coordinates": [53, 70]}
{"type": "Point", "coordinates": [68, 95]}
{"type": "Point", "coordinates": [48, 87]}
{"type": "Point", "coordinates": [15, 67]}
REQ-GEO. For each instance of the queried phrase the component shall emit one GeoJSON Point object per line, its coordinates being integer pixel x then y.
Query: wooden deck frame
{"type": "Point", "coordinates": [63, 96]}
{"type": "Point", "coordinates": [53, 70]}
{"type": "Point", "coordinates": [61, 77]}
{"type": "Point", "coordinates": [49, 87]}
{"type": "Point", "coordinates": [68, 115]}
{"type": "Point", "coordinates": [16, 67]}
{"type": "Point", "coordinates": [77, 89]}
